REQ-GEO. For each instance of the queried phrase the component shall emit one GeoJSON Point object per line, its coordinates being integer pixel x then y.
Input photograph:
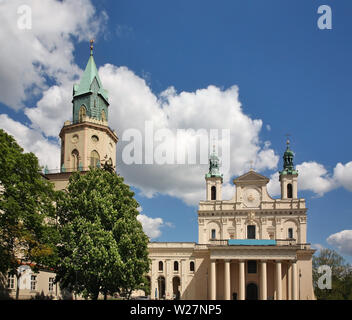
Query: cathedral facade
{"type": "Point", "coordinates": [249, 247]}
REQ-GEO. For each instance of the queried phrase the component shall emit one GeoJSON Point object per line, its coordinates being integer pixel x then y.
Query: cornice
{"type": "Point", "coordinates": [87, 124]}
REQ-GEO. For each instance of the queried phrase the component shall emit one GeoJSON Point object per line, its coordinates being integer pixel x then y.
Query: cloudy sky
{"type": "Point", "coordinates": [256, 69]}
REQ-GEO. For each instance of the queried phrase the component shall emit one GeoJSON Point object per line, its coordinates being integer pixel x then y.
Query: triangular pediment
{"type": "Point", "coordinates": [251, 176]}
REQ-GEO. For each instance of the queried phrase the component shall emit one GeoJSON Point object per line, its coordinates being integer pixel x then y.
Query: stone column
{"type": "Point", "coordinates": [183, 276]}
{"type": "Point", "coordinates": [153, 279]}
{"type": "Point", "coordinates": [213, 280]}
{"type": "Point", "coordinates": [227, 280]}
{"type": "Point", "coordinates": [289, 281]}
{"type": "Point", "coordinates": [294, 281]}
{"type": "Point", "coordinates": [168, 280]}
{"type": "Point", "coordinates": [278, 281]}
{"type": "Point", "coordinates": [263, 281]}
{"type": "Point", "coordinates": [241, 281]}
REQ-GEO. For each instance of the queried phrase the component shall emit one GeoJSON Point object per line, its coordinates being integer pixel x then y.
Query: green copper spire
{"type": "Point", "coordinates": [214, 165]}
{"type": "Point", "coordinates": [90, 73]}
{"type": "Point", "coordinates": [90, 94]}
{"type": "Point", "coordinates": [288, 161]}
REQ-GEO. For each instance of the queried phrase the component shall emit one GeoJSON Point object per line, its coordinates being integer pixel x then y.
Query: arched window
{"type": "Point", "coordinates": [250, 232]}
{"type": "Point", "coordinates": [161, 266]}
{"type": "Point", "coordinates": [161, 287]}
{"type": "Point", "coordinates": [176, 283]}
{"type": "Point", "coordinates": [191, 266]}
{"type": "Point", "coordinates": [82, 113]}
{"type": "Point", "coordinates": [290, 233]}
{"type": "Point", "coordinates": [94, 159]}
{"type": "Point", "coordinates": [103, 116]}
{"type": "Point", "coordinates": [213, 233]}
{"type": "Point", "coordinates": [175, 266]}
{"type": "Point", "coordinates": [75, 160]}
{"type": "Point", "coordinates": [289, 190]}
{"type": "Point", "coordinates": [213, 193]}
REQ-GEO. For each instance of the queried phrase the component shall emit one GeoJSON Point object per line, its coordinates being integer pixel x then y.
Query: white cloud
{"type": "Point", "coordinates": [151, 226]}
{"type": "Point", "coordinates": [133, 103]}
{"type": "Point", "coordinates": [32, 141]}
{"type": "Point", "coordinates": [30, 57]}
{"type": "Point", "coordinates": [314, 177]}
{"type": "Point", "coordinates": [274, 188]}
{"type": "Point", "coordinates": [342, 241]}
{"type": "Point", "coordinates": [343, 175]}
{"type": "Point", "coordinates": [52, 110]}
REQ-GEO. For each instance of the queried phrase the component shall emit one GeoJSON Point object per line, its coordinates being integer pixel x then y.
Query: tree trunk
{"type": "Point", "coordinates": [95, 295]}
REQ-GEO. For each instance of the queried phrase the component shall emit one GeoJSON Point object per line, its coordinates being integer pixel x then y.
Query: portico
{"type": "Point", "coordinates": [253, 273]}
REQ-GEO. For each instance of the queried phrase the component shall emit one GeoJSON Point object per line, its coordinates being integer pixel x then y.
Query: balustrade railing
{"type": "Point", "coordinates": [277, 242]}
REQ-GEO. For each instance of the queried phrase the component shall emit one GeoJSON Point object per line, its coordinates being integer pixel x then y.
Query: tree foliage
{"type": "Point", "coordinates": [103, 247]}
{"type": "Point", "coordinates": [341, 276]}
{"type": "Point", "coordinates": [26, 210]}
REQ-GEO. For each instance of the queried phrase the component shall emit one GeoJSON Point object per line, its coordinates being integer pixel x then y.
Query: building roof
{"type": "Point", "coordinates": [90, 73]}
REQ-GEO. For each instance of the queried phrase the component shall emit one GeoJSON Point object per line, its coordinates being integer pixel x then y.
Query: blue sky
{"type": "Point", "coordinates": [291, 75]}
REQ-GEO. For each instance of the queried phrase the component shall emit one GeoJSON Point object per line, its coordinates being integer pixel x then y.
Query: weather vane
{"type": "Point", "coordinates": [91, 46]}
{"type": "Point", "coordinates": [288, 138]}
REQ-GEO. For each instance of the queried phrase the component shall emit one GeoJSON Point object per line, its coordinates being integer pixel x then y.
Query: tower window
{"type": "Point", "coordinates": [191, 266]}
{"type": "Point", "coordinates": [161, 266]}
{"type": "Point", "coordinates": [103, 116]}
{"type": "Point", "coordinates": [213, 233]}
{"type": "Point", "coordinates": [94, 159]}
{"type": "Point", "coordinates": [290, 233]}
{"type": "Point", "coordinates": [75, 161]}
{"type": "Point", "coordinates": [289, 190]}
{"type": "Point", "coordinates": [175, 266]}
{"type": "Point", "coordinates": [251, 232]}
{"type": "Point", "coordinates": [213, 193]}
{"type": "Point", "coordinates": [82, 113]}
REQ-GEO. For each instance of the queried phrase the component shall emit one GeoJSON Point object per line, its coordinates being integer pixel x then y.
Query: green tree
{"type": "Point", "coordinates": [103, 247]}
{"type": "Point", "coordinates": [341, 273]}
{"type": "Point", "coordinates": [27, 230]}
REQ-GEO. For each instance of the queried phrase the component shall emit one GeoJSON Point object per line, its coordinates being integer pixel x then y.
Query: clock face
{"type": "Point", "coordinates": [251, 198]}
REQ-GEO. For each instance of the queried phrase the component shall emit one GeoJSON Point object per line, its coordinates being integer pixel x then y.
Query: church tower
{"type": "Point", "coordinates": [288, 176]}
{"type": "Point", "coordinates": [88, 141]}
{"type": "Point", "coordinates": [214, 179]}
